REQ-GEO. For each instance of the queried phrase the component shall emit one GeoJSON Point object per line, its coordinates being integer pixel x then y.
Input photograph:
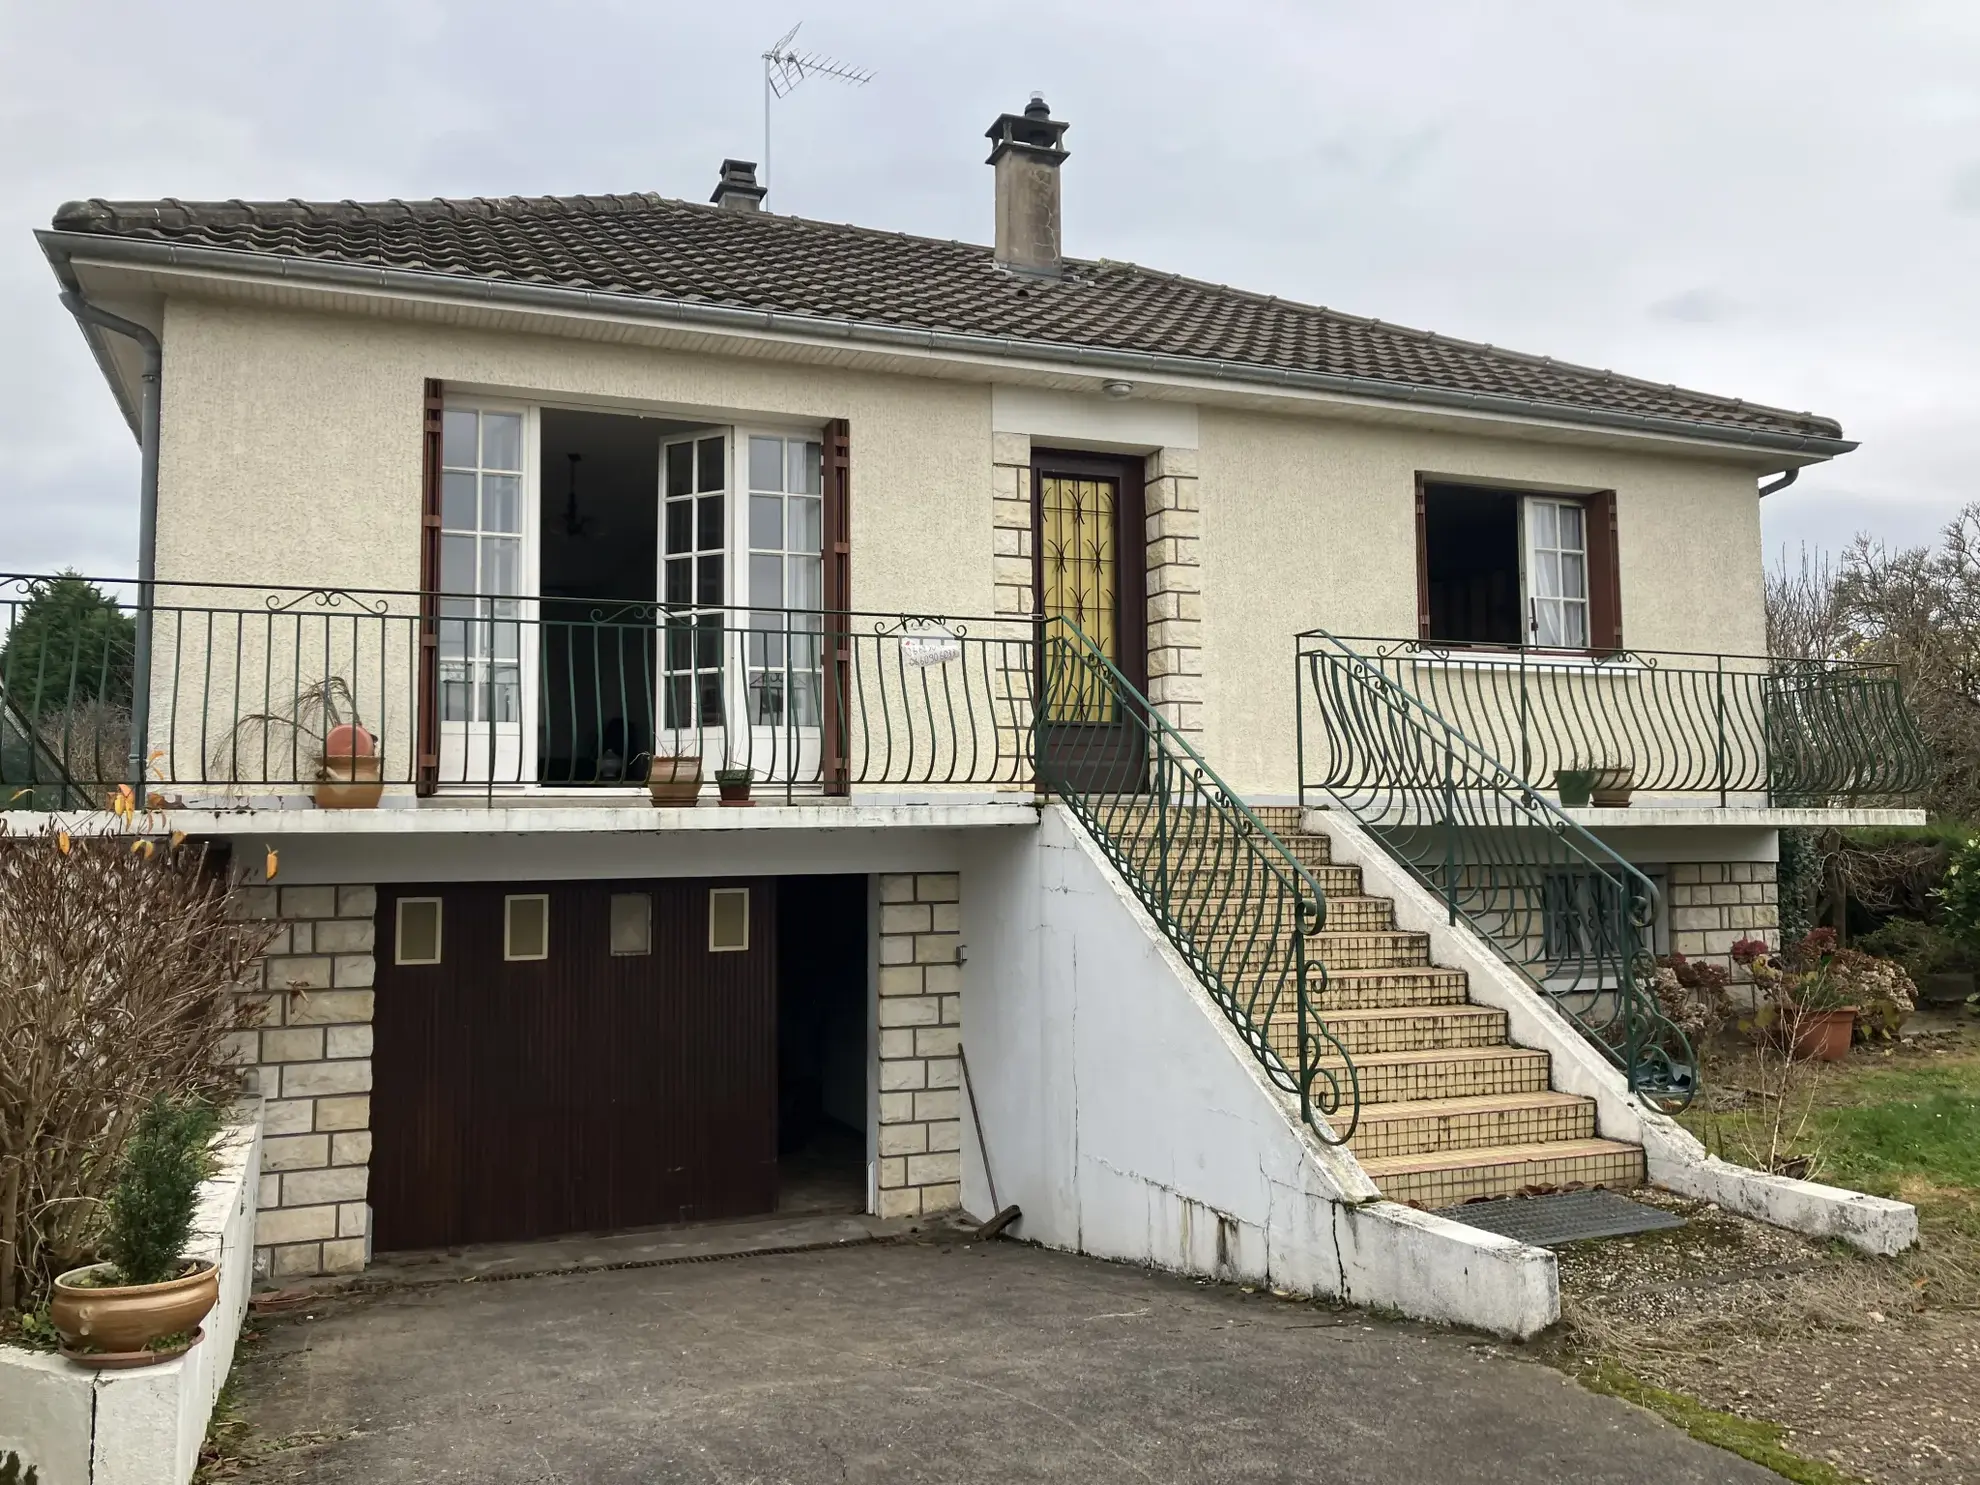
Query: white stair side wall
{"type": "Point", "coordinates": [1127, 1119]}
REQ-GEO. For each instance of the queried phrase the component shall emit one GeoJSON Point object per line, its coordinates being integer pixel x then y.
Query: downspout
{"type": "Point", "coordinates": [154, 365]}
{"type": "Point", "coordinates": [1787, 478]}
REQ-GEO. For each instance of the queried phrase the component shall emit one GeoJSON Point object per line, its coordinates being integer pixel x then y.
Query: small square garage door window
{"type": "Point", "coordinates": [632, 923]}
{"type": "Point", "coordinates": [728, 920]}
{"type": "Point", "coordinates": [526, 926]}
{"type": "Point", "coordinates": [416, 936]}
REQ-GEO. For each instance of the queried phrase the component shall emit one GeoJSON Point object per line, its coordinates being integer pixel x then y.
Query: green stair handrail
{"type": "Point", "coordinates": [1550, 898]}
{"type": "Point", "coordinates": [1226, 890]}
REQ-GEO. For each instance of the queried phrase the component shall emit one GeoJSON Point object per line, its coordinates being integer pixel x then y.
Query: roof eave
{"type": "Point", "coordinates": [61, 246]}
{"type": "Point", "coordinates": [93, 337]}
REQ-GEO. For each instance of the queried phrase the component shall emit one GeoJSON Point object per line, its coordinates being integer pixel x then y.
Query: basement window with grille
{"type": "Point", "coordinates": [1581, 923]}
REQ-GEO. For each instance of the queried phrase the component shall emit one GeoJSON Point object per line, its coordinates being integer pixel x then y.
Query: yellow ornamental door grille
{"type": "Point", "coordinates": [1081, 585]}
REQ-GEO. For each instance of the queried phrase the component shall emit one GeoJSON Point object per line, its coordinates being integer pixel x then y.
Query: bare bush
{"type": "Point", "coordinates": [119, 959]}
{"type": "Point", "coordinates": [1804, 615]}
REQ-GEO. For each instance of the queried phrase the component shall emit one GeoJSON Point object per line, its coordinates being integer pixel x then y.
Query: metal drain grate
{"type": "Point", "coordinates": [1571, 1217]}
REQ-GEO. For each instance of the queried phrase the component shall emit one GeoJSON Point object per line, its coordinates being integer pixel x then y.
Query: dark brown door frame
{"type": "Point", "coordinates": [1130, 545]}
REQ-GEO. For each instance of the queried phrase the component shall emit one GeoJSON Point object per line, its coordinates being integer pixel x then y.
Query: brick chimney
{"type": "Point", "coordinates": [1026, 151]}
{"type": "Point", "coordinates": [738, 190]}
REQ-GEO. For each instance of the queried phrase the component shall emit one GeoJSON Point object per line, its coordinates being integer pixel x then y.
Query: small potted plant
{"type": "Point", "coordinates": [349, 775]}
{"type": "Point", "coordinates": [733, 785]}
{"type": "Point", "coordinates": [1610, 786]}
{"type": "Point", "coordinates": [1575, 785]}
{"type": "Point", "coordinates": [145, 1303]}
{"type": "Point", "coordinates": [674, 779]}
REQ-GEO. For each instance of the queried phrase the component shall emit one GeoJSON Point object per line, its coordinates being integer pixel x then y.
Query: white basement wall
{"type": "Point", "coordinates": [1126, 1119]}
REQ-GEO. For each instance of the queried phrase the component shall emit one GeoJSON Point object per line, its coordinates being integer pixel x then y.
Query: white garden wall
{"type": "Point", "coordinates": [143, 1427]}
{"type": "Point", "coordinates": [1124, 1115]}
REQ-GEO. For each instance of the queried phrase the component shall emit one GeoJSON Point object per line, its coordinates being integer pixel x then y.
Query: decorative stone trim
{"type": "Point", "coordinates": [1010, 520]}
{"type": "Point", "coordinates": [311, 1062]}
{"type": "Point", "coordinates": [1713, 904]}
{"type": "Point", "coordinates": [1174, 522]}
{"type": "Point", "coordinates": [920, 1013]}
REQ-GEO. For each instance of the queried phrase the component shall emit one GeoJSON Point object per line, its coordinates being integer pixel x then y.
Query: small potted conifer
{"type": "Point", "coordinates": [144, 1304]}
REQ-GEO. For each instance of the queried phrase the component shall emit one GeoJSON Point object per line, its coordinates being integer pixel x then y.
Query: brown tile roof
{"type": "Point", "coordinates": [651, 247]}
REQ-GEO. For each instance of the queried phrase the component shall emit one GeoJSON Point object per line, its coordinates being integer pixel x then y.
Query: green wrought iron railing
{"type": "Point", "coordinates": [464, 695]}
{"type": "Point", "coordinates": [1231, 896]}
{"type": "Point", "coordinates": [1697, 728]}
{"type": "Point", "coordinates": [1551, 900]}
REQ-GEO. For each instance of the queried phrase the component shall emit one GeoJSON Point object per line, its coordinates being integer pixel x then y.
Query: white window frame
{"type": "Point", "coordinates": [1533, 557]}
{"type": "Point", "coordinates": [509, 901]}
{"type": "Point", "coordinates": [475, 752]}
{"type": "Point", "coordinates": [744, 548]}
{"type": "Point", "coordinates": [399, 929]}
{"type": "Point", "coordinates": [715, 892]}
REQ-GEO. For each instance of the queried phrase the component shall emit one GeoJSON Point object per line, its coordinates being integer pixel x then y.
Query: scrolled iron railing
{"type": "Point", "coordinates": [1697, 728]}
{"type": "Point", "coordinates": [1227, 892]}
{"type": "Point", "coordinates": [465, 694]}
{"type": "Point", "coordinates": [1551, 899]}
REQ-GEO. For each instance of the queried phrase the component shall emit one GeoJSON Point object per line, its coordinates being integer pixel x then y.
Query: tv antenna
{"type": "Point", "coordinates": [784, 67]}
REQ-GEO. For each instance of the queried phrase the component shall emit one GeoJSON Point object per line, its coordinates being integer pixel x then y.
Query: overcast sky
{"type": "Point", "coordinates": [1774, 199]}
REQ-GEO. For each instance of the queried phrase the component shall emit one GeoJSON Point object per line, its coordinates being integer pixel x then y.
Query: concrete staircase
{"type": "Point", "coordinates": [1450, 1109]}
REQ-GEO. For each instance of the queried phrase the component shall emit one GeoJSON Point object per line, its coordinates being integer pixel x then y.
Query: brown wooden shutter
{"type": "Point", "coordinates": [1604, 574]}
{"type": "Point", "coordinates": [838, 605]}
{"type": "Point", "coordinates": [1422, 562]}
{"type": "Point", "coordinates": [427, 777]}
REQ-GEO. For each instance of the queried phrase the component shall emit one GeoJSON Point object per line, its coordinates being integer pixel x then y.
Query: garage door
{"type": "Point", "coordinates": [569, 1057]}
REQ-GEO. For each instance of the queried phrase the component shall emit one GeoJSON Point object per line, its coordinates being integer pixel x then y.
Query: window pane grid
{"type": "Point", "coordinates": [1557, 576]}
{"type": "Point", "coordinates": [694, 486]}
{"type": "Point", "coordinates": [785, 565]}
{"type": "Point", "coordinates": [481, 521]}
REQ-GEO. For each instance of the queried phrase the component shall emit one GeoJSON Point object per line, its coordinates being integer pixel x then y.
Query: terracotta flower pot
{"type": "Point", "coordinates": [350, 783]}
{"type": "Point", "coordinates": [734, 792]}
{"type": "Point", "coordinates": [348, 740]}
{"type": "Point", "coordinates": [1610, 788]}
{"type": "Point", "coordinates": [114, 1325]}
{"type": "Point", "coordinates": [674, 781]}
{"type": "Point", "coordinates": [1825, 1035]}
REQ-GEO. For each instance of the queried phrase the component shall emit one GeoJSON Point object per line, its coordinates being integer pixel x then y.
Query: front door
{"type": "Point", "coordinates": [1089, 571]}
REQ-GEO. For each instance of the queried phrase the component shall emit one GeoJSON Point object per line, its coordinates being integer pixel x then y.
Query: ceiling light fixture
{"type": "Point", "coordinates": [1118, 390]}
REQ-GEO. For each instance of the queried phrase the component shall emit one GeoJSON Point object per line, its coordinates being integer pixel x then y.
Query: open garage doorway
{"type": "Point", "coordinates": [822, 1031]}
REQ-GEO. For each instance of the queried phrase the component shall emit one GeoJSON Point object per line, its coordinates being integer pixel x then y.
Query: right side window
{"type": "Point", "coordinates": [1508, 567]}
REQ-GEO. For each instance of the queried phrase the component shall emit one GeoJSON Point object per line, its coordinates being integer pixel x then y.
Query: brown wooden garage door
{"type": "Point", "coordinates": [586, 1089]}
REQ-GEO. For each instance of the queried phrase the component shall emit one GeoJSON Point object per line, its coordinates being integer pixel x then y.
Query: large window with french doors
{"type": "Point", "coordinates": [731, 524]}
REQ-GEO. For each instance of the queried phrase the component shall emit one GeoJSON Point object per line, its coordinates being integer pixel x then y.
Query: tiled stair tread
{"type": "Point", "coordinates": [1491, 1155]}
{"type": "Point", "coordinates": [1453, 977]}
{"type": "Point", "coordinates": [1504, 1053]}
{"type": "Point", "coordinates": [1485, 1103]}
{"type": "Point", "coordinates": [1367, 1015]}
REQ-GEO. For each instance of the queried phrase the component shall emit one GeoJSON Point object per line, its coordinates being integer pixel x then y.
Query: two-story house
{"type": "Point", "coordinates": [1096, 860]}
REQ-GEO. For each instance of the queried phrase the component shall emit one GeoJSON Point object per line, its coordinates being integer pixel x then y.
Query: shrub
{"type": "Point", "coordinates": [1746, 950]}
{"type": "Point", "coordinates": [1959, 894]}
{"type": "Point", "coordinates": [1821, 975]}
{"type": "Point", "coordinates": [118, 962]}
{"type": "Point", "coordinates": [150, 1210]}
{"type": "Point", "coordinates": [1692, 994]}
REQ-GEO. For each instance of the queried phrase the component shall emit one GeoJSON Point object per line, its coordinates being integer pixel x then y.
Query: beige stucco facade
{"type": "Point", "coordinates": [1311, 524]}
{"type": "Point", "coordinates": [292, 442]}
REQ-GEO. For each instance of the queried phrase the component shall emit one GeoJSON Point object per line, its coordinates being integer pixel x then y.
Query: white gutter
{"type": "Point", "coordinates": [62, 246]}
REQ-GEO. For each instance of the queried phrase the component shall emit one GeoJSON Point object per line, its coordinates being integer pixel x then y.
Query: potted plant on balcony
{"type": "Point", "coordinates": [350, 773]}
{"type": "Point", "coordinates": [1610, 785]}
{"type": "Point", "coordinates": [145, 1303]}
{"type": "Point", "coordinates": [733, 785]}
{"type": "Point", "coordinates": [673, 779]}
{"type": "Point", "coordinates": [1574, 786]}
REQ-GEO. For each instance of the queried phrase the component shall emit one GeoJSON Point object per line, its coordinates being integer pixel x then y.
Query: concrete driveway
{"type": "Point", "coordinates": [916, 1361]}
